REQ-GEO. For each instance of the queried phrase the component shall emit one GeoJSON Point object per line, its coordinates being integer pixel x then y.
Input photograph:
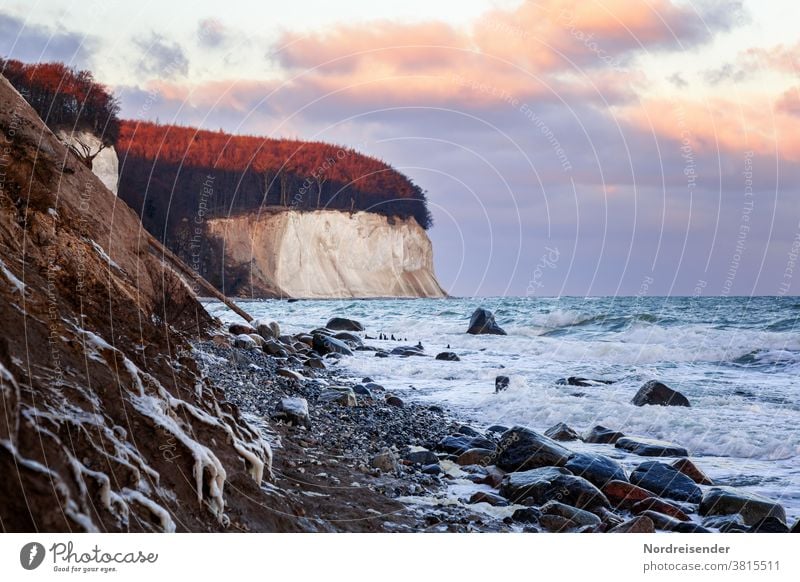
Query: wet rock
{"type": "Point", "coordinates": [476, 457]}
{"type": "Point", "coordinates": [273, 348]}
{"type": "Point", "coordinates": [294, 411]}
{"type": "Point", "coordinates": [241, 329]}
{"type": "Point", "coordinates": [769, 524]}
{"type": "Point", "coordinates": [432, 469]}
{"type": "Point", "coordinates": [362, 390]}
{"type": "Point", "coordinates": [497, 428]}
{"type": "Point", "coordinates": [372, 386]}
{"type": "Point", "coordinates": [661, 506]}
{"type": "Point", "coordinates": [349, 338]}
{"type": "Point", "coordinates": [656, 393]}
{"type": "Point", "coordinates": [491, 498]}
{"type": "Point", "coordinates": [393, 400]}
{"type": "Point", "coordinates": [501, 383]}
{"type": "Point", "coordinates": [796, 527]}
{"type": "Point", "coordinates": [493, 477]}
{"type": "Point", "coordinates": [578, 516]}
{"type": "Point", "coordinates": [420, 456]}
{"type": "Point", "coordinates": [753, 508]}
{"type": "Point", "coordinates": [666, 481]}
{"type": "Point", "coordinates": [291, 374]}
{"type": "Point", "coordinates": [245, 342]}
{"type": "Point", "coordinates": [257, 338]}
{"type": "Point", "coordinates": [483, 322]}
{"type": "Point", "coordinates": [344, 324]}
{"type": "Point", "coordinates": [561, 432]}
{"type": "Point", "coordinates": [556, 523]}
{"type": "Point", "coordinates": [597, 469]}
{"type": "Point", "coordinates": [640, 524]}
{"type": "Point", "coordinates": [323, 345]}
{"type": "Point", "coordinates": [267, 329]}
{"type": "Point", "coordinates": [315, 363]}
{"type": "Point", "coordinates": [407, 351]}
{"type": "Point", "coordinates": [538, 486]}
{"type": "Point", "coordinates": [386, 461]}
{"type": "Point", "coordinates": [623, 494]}
{"type": "Point", "coordinates": [339, 395]}
{"type": "Point", "coordinates": [468, 430]}
{"type": "Point", "coordinates": [667, 523]}
{"type": "Point", "coordinates": [582, 382]}
{"type": "Point", "coordinates": [691, 470]}
{"type": "Point", "coordinates": [457, 444]}
{"type": "Point", "coordinates": [526, 515]}
{"type": "Point", "coordinates": [448, 357]}
{"type": "Point", "coordinates": [521, 448]}
{"type": "Point", "coordinates": [600, 434]}
{"type": "Point", "coordinates": [726, 523]}
{"type": "Point", "coordinates": [650, 447]}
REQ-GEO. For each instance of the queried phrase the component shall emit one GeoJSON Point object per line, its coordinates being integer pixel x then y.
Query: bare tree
{"type": "Point", "coordinates": [84, 151]}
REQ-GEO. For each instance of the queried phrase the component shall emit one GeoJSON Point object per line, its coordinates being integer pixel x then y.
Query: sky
{"type": "Point", "coordinates": [575, 147]}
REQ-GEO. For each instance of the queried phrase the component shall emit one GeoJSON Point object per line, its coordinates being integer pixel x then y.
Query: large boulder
{"type": "Point", "coordinates": [349, 338]}
{"type": "Point", "coordinates": [323, 345]}
{"type": "Point", "coordinates": [660, 506]}
{"type": "Point", "coordinates": [562, 432]}
{"type": "Point", "coordinates": [667, 523]}
{"type": "Point", "coordinates": [623, 494]}
{"type": "Point", "coordinates": [458, 444]}
{"type": "Point", "coordinates": [244, 341]}
{"type": "Point", "coordinates": [600, 435]}
{"type": "Point", "coordinates": [521, 448]}
{"type": "Point", "coordinates": [476, 457]}
{"type": "Point", "coordinates": [692, 471]}
{"type": "Point", "coordinates": [729, 501]}
{"type": "Point", "coordinates": [640, 524]}
{"type": "Point", "coordinates": [294, 411]}
{"type": "Point", "coordinates": [267, 329]}
{"type": "Point", "coordinates": [448, 357]}
{"type": "Point", "coordinates": [538, 486]}
{"type": "Point", "coordinates": [597, 469]}
{"type": "Point", "coordinates": [650, 447]}
{"type": "Point", "coordinates": [344, 324]}
{"type": "Point", "coordinates": [578, 516]}
{"type": "Point", "coordinates": [421, 456]}
{"type": "Point", "coordinates": [482, 322]}
{"type": "Point", "coordinates": [666, 481]}
{"type": "Point", "coordinates": [654, 392]}
{"type": "Point", "coordinates": [386, 461]}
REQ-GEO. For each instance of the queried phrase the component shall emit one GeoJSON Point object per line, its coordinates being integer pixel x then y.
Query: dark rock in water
{"type": "Point", "coordinates": [322, 331]}
{"type": "Point", "coordinates": [436, 408]}
{"type": "Point", "coordinates": [640, 524]}
{"type": "Point", "coordinates": [476, 457]}
{"type": "Point", "coordinates": [373, 386]}
{"type": "Point", "coordinates": [796, 527]}
{"type": "Point", "coordinates": [457, 444]}
{"type": "Point", "coordinates": [393, 400]}
{"type": "Point", "coordinates": [726, 523]}
{"type": "Point", "coordinates": [422, 457]}
{"type": "Point", "coordinates": [432, 469]}
{"type": "Point", "coordinates": [292, 300]}
{"type": "Point", "coordinates": [493, 477]}
{"type": "Point", "coordinates": [482, 322]}
{"type": "Point", "coordinates": [656, 393]}
{"type": "Point", "coordinates": [561, 432]}
{"type": "Point", "coordinates": [381, 354]}
{"type": "Point", "coordinates": [498, 428]}
{"type": "Point", "coordinates": [501, 383]}
{"type": "Point", "coordinates": [344, 324]}
{"type": "Point", "coordinates": [661, 506]}
{"type": "Point", "coordinates": [728, 501]}
{"type": "Point", "coordinates": [665, 480]}
{"type": "Point", "coordinates": [582, 382]}
{"type": "Point", "coordinates": [538, 486]}
{"type": "Point", "coordinates": [769, 524]}
{"type": "Point", "coordinates": [468, 430]}
{"type": "Point", "coordinates": [407, 351]}
{"type": "Point", "coordinates": [366, 380]}
{"type": "Point", "coordinates": [667, 523]}
{"type": "Point", "coordinates": [448, 357]}
{"type": "Point", "coordinates": [578, 516]}
{"type": "Point", "coordinates": [349, 338]}
{"type": "Point", "coordinates": [490, 498]}
{"type": "Point", "coordinates": [650, 447]}
{"type": "Point", "coordinates": [556, 523]}
{"type": "Point", "coordinates": [521, 448]}
{"type": "Point", "coordinates": [315, 363]}
{"type": "Point", "coordinates": [328, 345]}
{"type": "Point", "coordinates": [241, 329]}
{"type": "Point", "coordinates": [362, 390]}
{"type": "Point", "coordinates": [597, 469]}
{"type": "Point", "coordinates": [623, 494]}
{"type": "Point", "coordinates": [692, 471]}
{"type": "Point", "coordinates": [294, 411]}
{"type": "Point", "coordinates": [526, 515]}
{"type": "Point", "coordinates": [267, 329]}
{"type": "Point", "coordinates": [600, 434]}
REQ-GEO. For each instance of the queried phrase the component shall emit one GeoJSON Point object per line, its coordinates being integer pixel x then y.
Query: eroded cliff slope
{"type": "Point", "coordinates": [325, 254]}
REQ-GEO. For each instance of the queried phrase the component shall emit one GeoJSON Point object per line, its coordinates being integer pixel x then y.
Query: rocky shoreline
{"type": "Point", "coordinates": [357, 458]}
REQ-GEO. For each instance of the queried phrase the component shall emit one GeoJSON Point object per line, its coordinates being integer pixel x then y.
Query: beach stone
{"type": "Point", "coordinates": [650, 447]}
{"type": "Point", "coordinates": [339, 395]}
{"type": "Point", "coordinates": [291, 374]}
{"type": "Point", "coordinates": [457, 444]}
{"type": "Point", "coordinates": [661, 506]}
{"type": "Point", "coordinates": [691, 470]}
{"type": "Point", "coordinates": [245, 342]}
{"type": "Point", "coordinates": [601, 435]}
{"type": "Point", "coordinates": [753, 508]}
{"type": "Point", "coordinates": [407, 351]}
{"type": "Point", "coordinates": [267, 329]}
{"type": "Point", "coordinates": [275, 349]}
{"type": "Point", "coordinates": [432, 469]}
{"type": "Point", "coordinates": [521, 448]}
{"type": "Point", "coordinates": [386, 461]}
{"type": "Point", "coordinates": [475, 457]}
{"type": "Point", "coordinates": [726, 523]}
{"type": "Point", "coordinates": [257, 338]}
{"type": "Point", "coordinates": [315, 363]}
{"type": "Point", "coordinates": [349, 338]}
{"type": "Point", "coordinates": [421, 456]}
{"type": "Point", "coordinates": [393, 400]}
{"type": "Point", "coordinates": [501, 383]}
{"type": "Point", "coordinates": [561, 432]}
{"type": "Point", "coordinates": [656, 393]}
{"type": "Point", "coordinates": [769, 524]}
{"type": "Point", "coordinates": [344, 324]}
{"type": "Point", "coordinates": [468, 430]}
{"type": "Point", "coordinates": [372, 386]}
{"type": "Point", "coordinates": [551, 483]}
{"type": "Point", "coordinates": [362, 390]}
{"type": "Point", "coordinates": [323, 345]}
{"type": "Point", "coordinates": [556, 523]}
{"type": "Point", "coordinates": [241, 329]}
{"type": "Point", "coordinates": [448, 357]}
{"type": "Point", "coordinates": [796, 527]}
{"type": "Point", "coordinates": [579, 516]}
{"type": "Point", "coordinates": [640, 524]}
{"type": "Point", "coordinates": [294, 411]}
{"type": "Point", "coordinates": [526, 515]}
{"type": "Point", "coordinates": [666, 481]}
{"type": "Point", "coordinates": [624, 494]}
{"type": "Point", "coordinates": [597, 469]}
{"type": "Point", "coordinates": [667, 523]}
{"type": "Point", "coordinates": [491, 498]}
{"type": "Point", "coordinates": [493, 477]}
{"type": "Point", "coordinates": [483, 322]}
{"type": "Point", "coordinates": [497, 428]}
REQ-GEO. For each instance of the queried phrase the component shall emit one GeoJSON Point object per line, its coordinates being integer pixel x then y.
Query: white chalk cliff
{"type": "Point", "coordinates": [105, 165]}
{"type": "Point", "coordinates": [329, 254]}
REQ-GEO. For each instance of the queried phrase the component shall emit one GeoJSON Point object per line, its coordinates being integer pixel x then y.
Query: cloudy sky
{"type": "Point", "coordinates": [567, 147]}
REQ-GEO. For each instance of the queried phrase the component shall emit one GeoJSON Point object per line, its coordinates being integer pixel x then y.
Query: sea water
{"type": "Point", "coordinates": [736, 359]}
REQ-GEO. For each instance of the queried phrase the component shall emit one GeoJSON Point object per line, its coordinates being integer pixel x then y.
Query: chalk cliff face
{"type": "Point", "coordinates": [105, 165]}
{"type": "Point", "coordinates": [327, 254]}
